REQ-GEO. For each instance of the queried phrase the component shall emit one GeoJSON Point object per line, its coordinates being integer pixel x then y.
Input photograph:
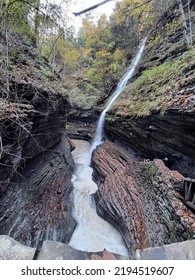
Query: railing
{"type": "Point", "coordinates": [189, 192]}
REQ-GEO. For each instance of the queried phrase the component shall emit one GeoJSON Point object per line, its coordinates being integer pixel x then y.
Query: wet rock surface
{"type": "Point", "coordinates": [52, 250]}
{"type": "Point", "coordinates": [36, 204]}
{"type": "Point", "coordinates": [81, 129]}
{"type": "Point", "coordinates": [140, 200]}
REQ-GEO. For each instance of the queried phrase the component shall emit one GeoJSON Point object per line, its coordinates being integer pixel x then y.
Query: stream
{"type": "Point", "coordinates": [92, 234]}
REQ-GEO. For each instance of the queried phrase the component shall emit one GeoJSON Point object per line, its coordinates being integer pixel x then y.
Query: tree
{"type": "Point", "coordinates": [190, 23]}
{"type": "Point", "coordinates": [184, 22]}
{"type": "Point", "coordinates": [37, 22]}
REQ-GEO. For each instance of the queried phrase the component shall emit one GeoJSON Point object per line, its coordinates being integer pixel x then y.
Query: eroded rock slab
{"type": "Point", "coordinates": [36, 205]}
{"type": "Point", "coordinates": [13, 250]}
{"type": "Point", "coordinates": [139, 199]}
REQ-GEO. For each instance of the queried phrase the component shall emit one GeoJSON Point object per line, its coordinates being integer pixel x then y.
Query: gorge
{"type": "Point", "coordinates": [125, 193]}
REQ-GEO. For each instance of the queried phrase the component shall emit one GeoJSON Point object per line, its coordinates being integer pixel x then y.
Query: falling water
{"type": "Point", "coordinates": [120, 87]}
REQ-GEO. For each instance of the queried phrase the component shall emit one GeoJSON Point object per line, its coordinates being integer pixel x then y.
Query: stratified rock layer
{"type": "Point", "coordinates": [170, 136]}
{"type": "Point", "coordinates": [36, 166]}
{"type": "Point", "coordinates": [139, 199]}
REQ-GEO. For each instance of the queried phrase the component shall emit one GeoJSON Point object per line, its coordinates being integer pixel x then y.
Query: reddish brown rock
{"type": "Point", "coordinates": [139, 199]}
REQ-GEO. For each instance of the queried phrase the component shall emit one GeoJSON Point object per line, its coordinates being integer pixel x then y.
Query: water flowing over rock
{"type": "Point", "coordinates": [53, 250]}
{"type": "Point", "coordinates": [120, 87]}
{"type": "Point", "coordinates": [92, 233]}
{"type": "Point", "coordinates": [139, 199]}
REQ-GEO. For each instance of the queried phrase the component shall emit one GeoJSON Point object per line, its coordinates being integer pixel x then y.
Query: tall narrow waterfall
{"type": "Point", "coordinates": [121, 85]}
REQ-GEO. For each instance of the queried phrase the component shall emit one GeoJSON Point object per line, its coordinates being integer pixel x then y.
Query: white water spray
{"type": "Point", "coordinates": [120, 87]}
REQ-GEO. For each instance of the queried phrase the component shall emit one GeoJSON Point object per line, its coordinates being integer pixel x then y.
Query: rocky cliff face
{"type": "Point", "coordinates": [35, 159]}
{"type": "Point", "coordinates": [171, 136]}
{"type": "Point", "coordinates": [139, 199]}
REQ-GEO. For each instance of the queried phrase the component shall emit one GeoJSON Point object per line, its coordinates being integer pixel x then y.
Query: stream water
{"type": "Point", "coordinates": [92, 233]}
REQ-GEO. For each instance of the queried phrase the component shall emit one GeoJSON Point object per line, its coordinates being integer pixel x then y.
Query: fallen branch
{"type": "Point", "coordinates": [92, 7]}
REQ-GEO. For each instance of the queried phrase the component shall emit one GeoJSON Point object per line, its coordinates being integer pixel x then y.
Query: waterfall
{"type": "Point", "coordinates": [120, 87]}
{"type": "Point", "coordinates": [92, 233]}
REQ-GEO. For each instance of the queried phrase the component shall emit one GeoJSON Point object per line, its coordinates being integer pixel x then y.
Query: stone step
{"type": "Point", "coordinates": [13, 250]}
{"type": "Point", "coordinates": [175, 251]}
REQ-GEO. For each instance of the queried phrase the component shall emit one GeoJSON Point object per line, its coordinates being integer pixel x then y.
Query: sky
{"type": "Point", "coordinates": [78, 5]}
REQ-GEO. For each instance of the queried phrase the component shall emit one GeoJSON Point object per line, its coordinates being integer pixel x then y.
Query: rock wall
{"type": "Point", "coordinates": [170, 136]}
{"type": "Point", "coordinates": [138, 198]}
{"type": "Point", "coordinates": [35, 167]}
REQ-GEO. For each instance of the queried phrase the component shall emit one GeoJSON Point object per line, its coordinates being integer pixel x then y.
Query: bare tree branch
{"type": "Point", "coordinates": [92, 7]}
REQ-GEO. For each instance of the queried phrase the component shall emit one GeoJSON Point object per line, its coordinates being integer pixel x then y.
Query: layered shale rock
{"type": "Point", "coordinates": [171, 136]}
{"type": "Point", "coordinates": [139, 199]}
{"type": "Point", "coordinates": [36, 168]}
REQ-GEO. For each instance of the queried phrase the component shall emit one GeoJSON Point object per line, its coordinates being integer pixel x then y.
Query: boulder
{"type": "Point", "coordinates": [52, 250]}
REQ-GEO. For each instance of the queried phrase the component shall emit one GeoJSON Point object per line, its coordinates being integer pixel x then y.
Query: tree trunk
{"type": "Point", "coordinates": [190, 22]}
{"type": "Point", "coordinates": [184, 23]}
{"type": "Point", "coordinates": [7, 63]}
{"type": "Point", "coordinates": [37, 23]}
